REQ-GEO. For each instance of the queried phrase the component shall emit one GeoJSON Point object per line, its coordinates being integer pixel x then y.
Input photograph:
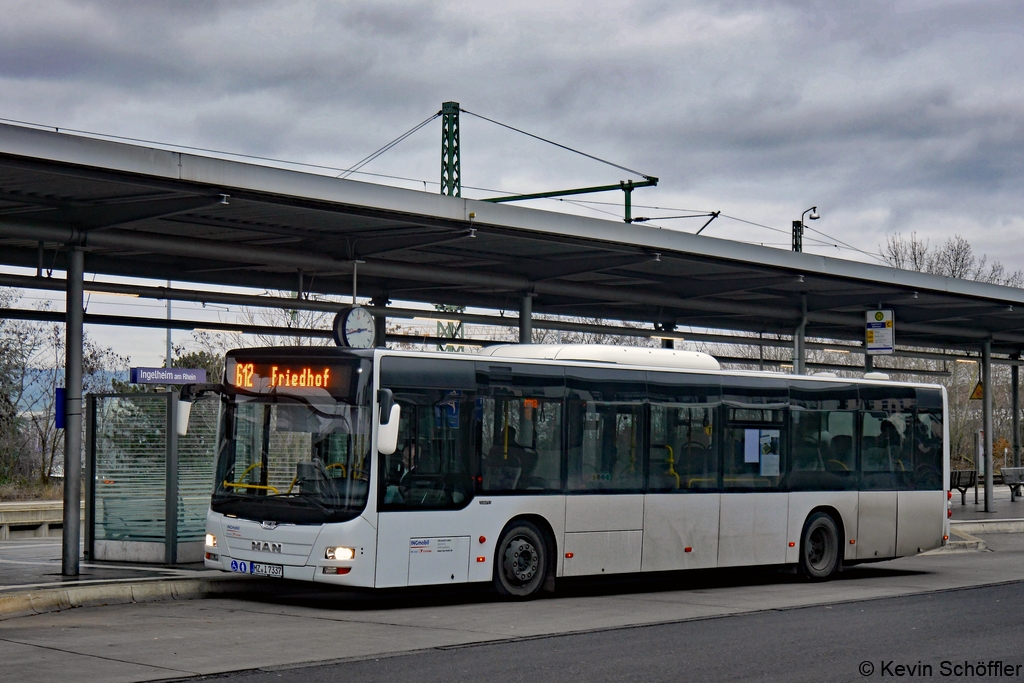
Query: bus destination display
{"type": "Point", "coordinates": [264, 376]}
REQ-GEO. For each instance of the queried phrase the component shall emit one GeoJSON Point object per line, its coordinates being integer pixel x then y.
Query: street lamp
{"type": "Point", "coordinates": [798, 227]}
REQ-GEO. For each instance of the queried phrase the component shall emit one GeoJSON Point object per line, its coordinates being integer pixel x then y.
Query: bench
{"type": "Point", "coordinates": [961, 480]}
{"type": "Point", "coordinates": [1014, 478]}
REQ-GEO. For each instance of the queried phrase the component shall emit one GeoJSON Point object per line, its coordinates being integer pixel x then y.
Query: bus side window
{"type": "Point", "coordinates": [520, 443]}
{"type": "Point", "coordinates": [431, 469]}
{"type": "Point", "coordinates": [887, 438]}
{"type": "Point", "coordinates": [605, 446]}
{"type": "Point", "coordinates": [752, 454]}
{"type": "Point", "coordinates": [928, 432]}
{"type": "Point", "coordinates": [605, 415]}
{"type": "Point", "coordinates": [683, 454]}
{"type": "Point", "coordinates": [821, 450]}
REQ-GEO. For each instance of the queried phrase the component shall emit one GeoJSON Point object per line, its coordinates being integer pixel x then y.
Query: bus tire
{"type": "Point", "coordinates": [521, 561]}
{"type": "Point", "coordinates": [819, 547]}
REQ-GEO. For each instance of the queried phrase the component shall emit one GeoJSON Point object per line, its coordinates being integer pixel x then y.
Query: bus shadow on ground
{"type": "Point", "coordinates": [348, 599]}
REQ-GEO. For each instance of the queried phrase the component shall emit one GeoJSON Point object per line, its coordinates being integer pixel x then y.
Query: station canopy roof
{"type": "Point", "coordinates": [153, 213]}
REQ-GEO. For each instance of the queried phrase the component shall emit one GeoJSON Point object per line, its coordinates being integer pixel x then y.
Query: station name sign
{"type": "Point", "coordinates": [168, 376]}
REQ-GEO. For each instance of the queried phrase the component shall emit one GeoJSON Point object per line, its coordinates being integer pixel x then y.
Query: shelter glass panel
{"type": "Point", "coordinates": [197, 451]}
{"type": "Point", "coordinates": [131, 468]}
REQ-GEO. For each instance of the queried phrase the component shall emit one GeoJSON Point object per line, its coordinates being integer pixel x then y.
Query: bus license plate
{"type": "Point", "coordinates": [257, 569]}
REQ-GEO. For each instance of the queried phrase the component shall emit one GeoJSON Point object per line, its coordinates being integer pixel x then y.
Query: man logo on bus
{"type": "Point", "coordinates": [265, 547]}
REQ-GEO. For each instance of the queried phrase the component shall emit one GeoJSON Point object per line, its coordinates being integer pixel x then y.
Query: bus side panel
{"type": "Point", "coordinates": [876, 525]}
{"type": "Point", "coordinates": [800, 505]}
{"type": "Point", "coordinates": [603, 552]}
{"type": "Point", "coordinates": [399, 534]}
{"type": "Point", "coordinates": [920, 521]}
{"type": "Point", "coordinates": [674, 522]}
{"type": "Point", "coordinates": [604, 512]}
{"type": "Point", "coordinates": [753, 529]}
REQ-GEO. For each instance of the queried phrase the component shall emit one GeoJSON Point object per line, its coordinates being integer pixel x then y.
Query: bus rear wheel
{"type": "Point", "coordinates": [521, 561]}
{"type": "Point", "coordinates": [819, 547]}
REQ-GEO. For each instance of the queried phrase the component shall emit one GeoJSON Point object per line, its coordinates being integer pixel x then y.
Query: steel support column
{"type": "Point", "coordinates": [73, 415]}
{"type": "Point", "coordinates": [1015, 396]}
{"type": "Point", "coordinates": [986, 383]}
{"type": "Point", "coordinates": [526, 320]}
{"type": "Point", "coordinates": [380, 322]}
{"type": "Point", "coordinates": [798, 340]}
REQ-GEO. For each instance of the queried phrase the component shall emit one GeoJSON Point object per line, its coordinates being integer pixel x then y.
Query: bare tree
{"type": "Point", "coordinates": [954, 258]}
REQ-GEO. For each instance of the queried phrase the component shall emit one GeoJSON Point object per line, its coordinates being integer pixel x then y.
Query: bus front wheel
{"type": "Point", "coordinates": [521, 562]}
{"type": "Point", "coordinates": [819, 547]}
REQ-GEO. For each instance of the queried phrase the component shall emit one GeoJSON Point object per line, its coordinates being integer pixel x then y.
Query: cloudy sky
{"type": "Point", "coordinates": [896, 116]}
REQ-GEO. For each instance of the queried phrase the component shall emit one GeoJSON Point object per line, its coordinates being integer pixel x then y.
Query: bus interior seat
{"type": "Point", "coordinates": [841, 453]}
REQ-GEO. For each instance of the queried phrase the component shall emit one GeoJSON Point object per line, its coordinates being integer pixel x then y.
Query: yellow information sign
{"type": "Point", "coordinates": [978, 393]}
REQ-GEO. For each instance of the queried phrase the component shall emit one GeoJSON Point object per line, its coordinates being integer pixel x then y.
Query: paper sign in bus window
{"type": "Point", "coordinates": [769, 451]}
{"type": "Point", "coordinates": [751, 445]}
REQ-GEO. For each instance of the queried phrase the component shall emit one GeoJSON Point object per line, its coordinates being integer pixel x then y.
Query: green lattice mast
{"type": "Point", "coordinates": [451, 171]}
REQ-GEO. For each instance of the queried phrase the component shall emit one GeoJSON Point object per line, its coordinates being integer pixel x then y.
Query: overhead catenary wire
{"type": "Point", "coordinates": [353, 170]}
{"type": "Point", "coordinates": [556, 144]}
{"type": "Point", "coordinates": [367, 159]}
{"type": "Point", "coordinates": [848, 246]}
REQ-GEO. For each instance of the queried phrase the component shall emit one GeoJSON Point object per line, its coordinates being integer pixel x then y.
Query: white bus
{"type": "Point", "coordinates": [382, 468]}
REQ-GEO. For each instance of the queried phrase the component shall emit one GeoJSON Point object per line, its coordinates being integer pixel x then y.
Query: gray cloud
{"type": "Point", "coordinates": [900, 115]}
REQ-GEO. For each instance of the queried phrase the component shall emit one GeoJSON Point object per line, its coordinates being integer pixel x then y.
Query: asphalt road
{"type": "Point", "coordinates": [932, 635]}
{"type": "Point", "coordinates": [715, 625]}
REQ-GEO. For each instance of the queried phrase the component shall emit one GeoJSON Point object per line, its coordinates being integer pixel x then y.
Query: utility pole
{"type": "Point", "coordinates": [451, 171]}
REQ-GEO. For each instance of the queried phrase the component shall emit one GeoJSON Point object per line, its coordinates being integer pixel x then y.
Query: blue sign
{"type": "Point", "coordinates": [168, 376]}
{"type": "Point", "coordinates": [59, 400]}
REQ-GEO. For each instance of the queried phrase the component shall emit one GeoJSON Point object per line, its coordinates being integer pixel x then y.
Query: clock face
{"type": "Point", "coordinates": [358, 329]}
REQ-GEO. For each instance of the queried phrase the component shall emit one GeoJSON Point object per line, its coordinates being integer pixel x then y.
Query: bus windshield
{"type": "Point", "coordinates": [298, 454]}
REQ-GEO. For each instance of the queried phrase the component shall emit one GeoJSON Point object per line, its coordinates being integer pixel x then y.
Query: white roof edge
{"type": "Point", "coordinates": [220, 173]}
{"type": "Point", "coordinates": [605, 353]}
{"type": "Point", "coordinates": [484, 355]}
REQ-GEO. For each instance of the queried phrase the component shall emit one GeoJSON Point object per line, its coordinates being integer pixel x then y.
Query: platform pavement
{"type": "Point", "coordinates": [1002, 506]}
{"type": "Point", "coordinates": [31, 580]}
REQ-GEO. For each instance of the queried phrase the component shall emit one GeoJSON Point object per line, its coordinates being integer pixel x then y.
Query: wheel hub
{"type": "Point", "coordinates": [816, 548]}
{"type": "Point", "coordinates": [521, 560]}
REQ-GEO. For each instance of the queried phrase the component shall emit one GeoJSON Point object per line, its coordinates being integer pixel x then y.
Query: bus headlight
{"type": "Point", "coordinates": [211, 541]}
{"type": "Point", "coordinates": [340, 553]}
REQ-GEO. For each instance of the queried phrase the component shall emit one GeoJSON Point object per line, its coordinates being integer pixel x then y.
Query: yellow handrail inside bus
{"type": "Point", "coordinates": [505, 448]}
{"type": "Point", "coordinates": [291, 486]}
{"type": "Point", "coordinates": [249, 469]}
{"type": "Point", "coordinates": [261, 487]}
{"type": "Point", "coordinates": [840, 463]}
{"type": "Point", "coordinates": [632, 445]}
{"type": "Point", "coordinates": [671, 462]}
{"type": "Point", "coordinates": [338, 464]}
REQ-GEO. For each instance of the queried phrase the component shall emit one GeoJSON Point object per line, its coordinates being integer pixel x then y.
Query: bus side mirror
{"type": "Point", "coordinates": [184, 410]}
{"type": "Point", "coordinates": [387, 427]}
{"type": "Point", "coordinates": [189, 392]}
